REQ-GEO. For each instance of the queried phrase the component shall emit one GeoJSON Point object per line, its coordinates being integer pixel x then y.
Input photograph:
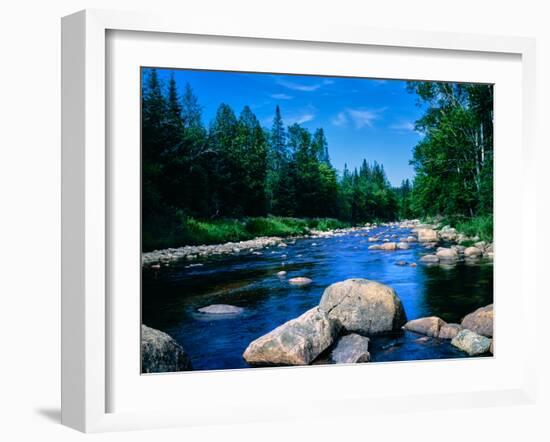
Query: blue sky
{"type": "Point", "coordinates": [362, 118]}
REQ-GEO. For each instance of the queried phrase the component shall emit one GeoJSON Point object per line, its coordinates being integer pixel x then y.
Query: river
{"type": "Point", "coordinates": [172, 295]}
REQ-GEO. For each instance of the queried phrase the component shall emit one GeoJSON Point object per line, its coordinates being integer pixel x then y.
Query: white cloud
{"type": "Point", "coordinates": [403, 126]}
{"type": "Point", "coordinates": [300, 118]}
{"type": "Point", "coordinates": [281, 96]}
{"type": "Point", "coordinates": [363, 118]}
{"type": "Point", "coordinates": [302, 87]}
{"type": "Point", "coordinates": [340, 120]}
{"type": "Point", "coordinates": [360, 118]}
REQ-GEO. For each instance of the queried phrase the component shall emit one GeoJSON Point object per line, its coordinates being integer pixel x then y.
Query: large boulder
{"type": "Point", "coordinates": [388, 246]}
{"type": "Point", "coordinates": [427, 235]}
{"type": "Point", "coordinates": [160, 353]}
{"type": "Point", "coordinates": [429, 326]}
{"type": "Point", "coordinates": [363, 306]}
{"type": "Point", "coordinates": [480, 321]}
{"type": "Point", "coordinates": [296, 342]}
{"type": "Point", "coordinates": [471, 342]}
{"type": "Point", "coordinates": [351, 349]}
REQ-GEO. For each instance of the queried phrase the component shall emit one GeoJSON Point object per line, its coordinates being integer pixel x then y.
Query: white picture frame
{"type": "Point", "coordinates": [86, 206]}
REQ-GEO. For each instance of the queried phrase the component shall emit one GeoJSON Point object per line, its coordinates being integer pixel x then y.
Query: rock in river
{"type": "Point", "coordinates": [480, 321]}
{"type": "Point", "coordinates": [427, 235]}
{"type": "Point", "coordinates": [296, 342]}
{"type": "Point", "coordinates": [430, 259]}
{"type": "Point", "coordinates": [300, 280]}
{"type": "Point", "coordinates": [447, 254]}
{"type": "Point", "coordinates": [388, 246]}
{"type": "Point", "coordinates": [403, 245]}
{"type": "Point", "coordinates": [160, 353]}
{"type": "Point", "coordinates": [472, 252]}
{"type": "Point", "coordinates": [221, 309]}
{"type": "Point", "coordinates": [429, 326]}
{"type": "Point", "coordinates": [351, 349]}
{"type": "Point", "coordinates": [363, 306]}
{"type": "Point", "coordinates": [471, 342]}
{"type": "Point", "coordinates": [281, 273]}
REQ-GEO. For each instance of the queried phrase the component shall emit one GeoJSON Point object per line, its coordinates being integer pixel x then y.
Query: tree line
{"type": "Point", "coordinates": [235, 168]}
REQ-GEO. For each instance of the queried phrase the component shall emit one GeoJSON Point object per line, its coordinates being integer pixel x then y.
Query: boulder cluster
{"type": "Point", "coordinates": [348, 313]}
{"type": "Point", "coordinates": [474, 334]}
{"type": "Point", "coordinates": [454, 249]}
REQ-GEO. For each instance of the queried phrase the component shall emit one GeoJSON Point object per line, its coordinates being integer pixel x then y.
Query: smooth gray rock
{"type": "Point", "coordinates": [296, 342]}
{"type": "Point", "coordinates": [221, 309]}
{"type": "Point", "coordinates": [363, 306]}
{"type": "Point", "coordinates": [471, 342]}
{"type": "Point", "coordinates": [160, 353]}
{"type": "Point", "coordinates": [351, 349]}
{"type": "Point", "coordinates": [480, 321]}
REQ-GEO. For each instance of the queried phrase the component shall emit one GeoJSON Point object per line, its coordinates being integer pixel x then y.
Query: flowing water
{"type": "Point", "coordinates": [172, 295]}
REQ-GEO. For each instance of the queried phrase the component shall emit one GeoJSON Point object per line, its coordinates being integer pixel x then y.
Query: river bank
{"type": "Point", "coordinates": [431, 235]}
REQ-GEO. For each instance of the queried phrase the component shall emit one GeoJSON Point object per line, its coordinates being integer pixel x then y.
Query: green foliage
{"type": "Point", "coordinates": [454, 159]}
{"type": "Point", "coordinates": [481, 226]}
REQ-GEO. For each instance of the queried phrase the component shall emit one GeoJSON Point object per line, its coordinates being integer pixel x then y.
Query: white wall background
{"type": "Point", "coordinates": [30, 214]}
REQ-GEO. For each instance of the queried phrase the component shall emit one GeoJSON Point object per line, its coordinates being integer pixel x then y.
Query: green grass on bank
{"type": "Point", "coordinates": [480, 226]}
{"type": "Point", "coordinates": [191, 231]}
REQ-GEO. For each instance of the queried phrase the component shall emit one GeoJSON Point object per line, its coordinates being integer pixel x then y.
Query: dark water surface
{"type": "Point", "coordinates": [172, 295]}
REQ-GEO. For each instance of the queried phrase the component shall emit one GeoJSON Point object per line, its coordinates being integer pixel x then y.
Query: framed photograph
{"type": "Point", "coordinates": [269, 221]}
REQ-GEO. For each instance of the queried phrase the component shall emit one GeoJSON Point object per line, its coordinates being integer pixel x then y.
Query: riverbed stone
{"type": "Point", "coordinates": [221, 309]}
{"type": "Point", "coordinates": [351, 349]}
{"type": "Point", "coordinates": [160, 353]}
{"type": "Point", "coordinates": [480, 321]}
{"type": "Point", "coordinates": [363, 306]}
{"type": "Point", "coordinates": [389, 246]}
{"type": "Point", "coordinates": [449, 331]}
{"type": "Point", "coordinates": [403, 245]}
{"type": "Point", "coordinates": [447, 254]}
{"type": "Point", "coordinates": [471, 342]}
{"type": "Point", "coordinates": [472, 252]}
{"type": "Point", "coordinates": [427, 235]}
{"type": "Point", "coordinates": [428, 326]}
{"type": "Point", "coordinates": [448, 233]}
{"type": "Point", "coordinates": [281, 273]}
{"type": "Point", "coordinates": [374, 247]}
{"type": "Point", "coordinates": [296, 342]}
{"type": "Point", "coordinates": [430, 259]}
{"type": "Point", "coordinates": [300, 281]}
{"type": "Point", "coordinates": [373, 239]}
{"type": "Point", "coordinates": [411, 239]}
